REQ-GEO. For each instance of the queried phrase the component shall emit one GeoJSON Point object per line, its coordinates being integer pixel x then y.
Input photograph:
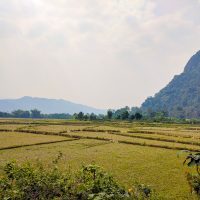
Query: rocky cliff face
{"type": "Point", "coordinates": [181, 97]}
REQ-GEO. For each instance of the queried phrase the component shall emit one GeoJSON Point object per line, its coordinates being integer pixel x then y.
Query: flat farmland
{"type": "Point", "coordinates": [131, 152]}
{"type": "Point", "coordinates": [15, 139]}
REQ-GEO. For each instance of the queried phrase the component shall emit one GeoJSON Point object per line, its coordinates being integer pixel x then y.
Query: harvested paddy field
{"type": "Point", "coordinates": [9, 140]}
{"type": "Point", "coordinates": [131, 152]}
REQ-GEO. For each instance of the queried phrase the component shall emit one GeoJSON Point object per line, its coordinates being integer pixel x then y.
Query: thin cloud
{"type": "Point", "coordinates": [100, 53]}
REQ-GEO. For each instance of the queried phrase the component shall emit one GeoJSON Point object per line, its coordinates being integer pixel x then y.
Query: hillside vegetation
{"type": "Point", "coordinates": [181, 97]}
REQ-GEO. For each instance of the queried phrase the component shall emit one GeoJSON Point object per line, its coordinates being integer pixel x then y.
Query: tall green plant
{"type": "Point", "coordinates": [193, 160]}
{"type": "Point", "coordinates": [35, 182]}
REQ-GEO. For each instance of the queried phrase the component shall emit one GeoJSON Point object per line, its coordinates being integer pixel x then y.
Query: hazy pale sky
{"type": "Point", "coordinates": [102, 53]}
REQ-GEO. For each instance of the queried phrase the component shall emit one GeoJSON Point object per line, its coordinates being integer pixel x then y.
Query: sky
{"type": "Point", "coordinates": [102, 53]}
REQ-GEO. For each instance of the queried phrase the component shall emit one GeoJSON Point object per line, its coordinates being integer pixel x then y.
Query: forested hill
{"type": "Point", "coordinates": [46, 106]}
{"type": "Point", "coordinates": [181, 97]}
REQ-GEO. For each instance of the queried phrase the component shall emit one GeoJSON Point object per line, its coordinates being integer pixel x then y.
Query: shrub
{"type": "Point", "coordinates": [35, 182]}
{"type": "Point", "coordinates": [194, 180]}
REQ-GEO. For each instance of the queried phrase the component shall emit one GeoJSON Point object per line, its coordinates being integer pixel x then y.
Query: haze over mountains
{"type": "Point", "coordinates": [47, 106]}
{"type": "Point", "coordinates": [181, 97]}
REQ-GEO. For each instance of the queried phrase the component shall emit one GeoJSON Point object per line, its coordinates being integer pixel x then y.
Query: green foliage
{"type": "Point", "coordinates": [57, 116]}
{"type": "Point", "coordinates": [35, 113]}
{"type": "Point", "coordinates": [109, 114]}
{"type": "Point", "coordinates": [193, 160]}
{"type": "Point", "coordinates": [122, 113]}
{"type": "Point", "coordinates": [80, 116]}
{"type": "Point", "coordinates": [5, 114]}
{"type": "Point", "coordinates": [27, 182]}
{"type": "Point", "coordinates": [35, 182]}
{"type": "Point", "coordinates": [96, 184]}
{"type": "Point", "coordinates": [194, 182]}
{"type": "Point", "coordinates": [131, 116]}
{"type": "Point", "coordinates": [21, 114]}
{"type": "Point", "coordinates": [181, 96]}
{"type": "Point", "coordinates": [92, 116]}
{"type": "Point", "coordinates": [138, 116]}
{"type": "Point", "coordinates": [127, 114]}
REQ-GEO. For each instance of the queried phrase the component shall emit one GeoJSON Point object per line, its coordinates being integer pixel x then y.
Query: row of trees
{"type": "Point", "coordinates": [120, 114]}
{"type": "Point", "coordinates": [92, 116]}
{"type": "Point", "coordinates": [125, 114]}
{"type": "Point", "coordinates": [34, 114]}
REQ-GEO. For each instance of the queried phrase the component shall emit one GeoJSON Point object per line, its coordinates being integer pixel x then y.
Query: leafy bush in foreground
{"type": "Point", "coordinates": [194, 180]}
{"type": "Point", "coordinates": [91, 182]}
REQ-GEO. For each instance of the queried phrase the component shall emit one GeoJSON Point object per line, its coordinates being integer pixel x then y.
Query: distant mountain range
{"type": "Point", "coordinates": [181, 97]}
{"type": "Point", "coordinates": [46, 106]}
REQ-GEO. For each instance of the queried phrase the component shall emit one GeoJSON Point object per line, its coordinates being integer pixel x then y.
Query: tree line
{"type": "Point", "coordinates": [126, 113]}
{"type": "Point", "coordinates": [36, 114]}
{"type": "Point", "coordinates": [121, 114]}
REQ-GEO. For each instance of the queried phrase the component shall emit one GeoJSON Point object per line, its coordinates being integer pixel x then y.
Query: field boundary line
{"type": "Point", "coordinates": [131, 132]}
{"type": "Point", "coordinates": [45, 123]}
{"type": "Point", "coordinates": [157, 146]}
{"type": "Point", "coordinates": [157, 139]}
{"type": "Point", "coordinates": [109, 131]}
{"type": "Point", "coordinates": [143, 137]}
{"type": "Point", "coordinates": [5, 130]}
{"type": "Point", "coordinates": [143, 144]}
{"type": "Point", "coordinates": [61, 134]}
{"type": "Point", "coordinates": [35, 144]}
{"type": "Point", "coordinates": [163, 134]}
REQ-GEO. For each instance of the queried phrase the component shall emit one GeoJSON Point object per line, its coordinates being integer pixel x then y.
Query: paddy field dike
{"type": "Point", "coordinates": [132, 152]}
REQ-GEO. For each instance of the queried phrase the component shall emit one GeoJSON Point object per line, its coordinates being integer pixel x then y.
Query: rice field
{"type": "Point", "coordinates": [131, 152]}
